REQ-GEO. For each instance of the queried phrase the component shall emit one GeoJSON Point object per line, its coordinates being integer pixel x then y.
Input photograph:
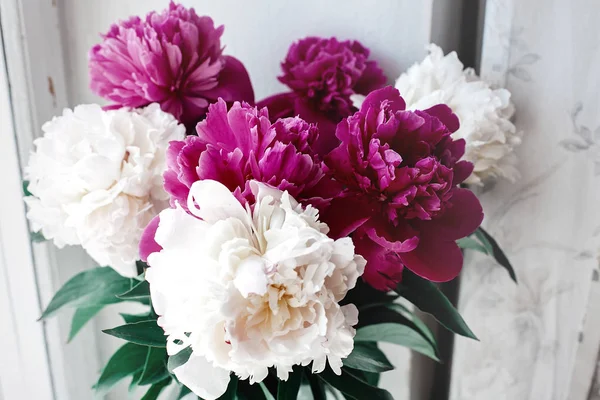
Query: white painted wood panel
{"type": "Point", "coordinates": [532, 345]}
{"type": "Point", "coordinates": [36, 86]}
{"type": "Point", "coordinates": [25, 368]}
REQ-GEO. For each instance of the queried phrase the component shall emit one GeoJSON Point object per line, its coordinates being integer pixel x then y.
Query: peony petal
{"type": "Point", "coordinates": [435, 259]}
{"type": "Point", "coordinates": [384, 267]}
{"type": "Point", "coordinates": [462, 170]}
{"type": "Point", "coordinates": [148, 244]}
{"type": "Point", "coordinates": [461, 219]}
{"type": "Point", "coordinates": [346, 214]}
{"type": "Point", "coordinates": [388, 94]}
{"type": "Point", "coordinates": [401, 238]}
{"type": "Point", "coordinates": [371, 79]}
{"type": "Point", "coordinates": [211, 201]}
{"type": "Point", "coordinates": [445, 115]}
{"type": "Point", "coordinates": [202, 378]}
{"type": "Point", "coordinates": [326, 141]}
{"type": "Point", "coordinates": [234, 83]}
{"type": "Point", "coordinates": [280, 105]}
{"type": "Point", "coordinates": [250, 277]}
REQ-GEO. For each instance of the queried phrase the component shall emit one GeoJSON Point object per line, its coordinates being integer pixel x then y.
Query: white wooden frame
{"type": "Point", "coordinates": [39, 364]}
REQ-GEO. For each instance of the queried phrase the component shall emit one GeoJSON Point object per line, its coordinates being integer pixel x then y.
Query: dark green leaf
{"type": "Point", "coordinates": [131, 318]}
{"type": "Point", "coordinates": [154, 391]}
{"type": "Point", "coordinates": [429, 299]}
{"type": "Point", "coordinates": [232, 387]}
{"type": "Point", "coordinates": [138, 292]}
{"type": "Point", "coordinates": [146, 333]}
{"type": "Point", "coordinates": [470, 243]}
{"type": "Point", "coordinates": [266, 393]}
{"type": "Point", "coordinates": [37, 237]}
{"type": "Point", "coordinates": [183, 392]}
{"type": "Point", "coordinates": [408, 316]}
{"type": "Point", "coordinates": [397, 334]}
{"type": "Point", "coordinates": [126, 361]}
{"type": "Point", "coordinates": [353, 387]}
{"type": "Point", "coordinates": [177, 360]}
{"type": "Point", "coordinates": [26, 191]}
{"type": "Point", "coordinates": [136, 377]}
{"type": "Point", "coordinates": [317, 386]}
{"type": "Point", "coordinates": [372, 378]}
{"type": "Point", "coordinates": [288, 390]}
{"type": "Point", "coordinates": [141, 267]}
{"type": "Point", "coordinates": [81, 317]}
{"type": "Point", "coordinates": [495, 250]}
{"type": "Point", "coordinates": [155, 367]}
{"type": "Point", "coordinates": [367, 357]}
{"type": "Point", "coordinates": [94, 287]}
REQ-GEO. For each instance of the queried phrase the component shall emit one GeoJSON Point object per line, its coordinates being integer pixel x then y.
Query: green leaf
{"type": "Point", "coordinates": [232, 387]}
{"type": "Point", "coordinates": [94, 287]}
{"type": "Point", "coordinates": [183, 392]}
{"type": "Point", "coordinates": [266, 393]}
{"type": "Point", "coordinates": [495, 250]}
{"type": "Point", "coordinates": [134, 380]}
{"type": "Point", "coordinates": [178, 359]}
{"type": "Point", "coordinates": [37, 237]}
{"type": "Point", "coordinates": [353, 387]}
{"type": "Point", "coordinates": [409, 316]}
{"type": "Point", "coordinates": [81, 317]}
{"type": "Point", "coordinates": [155, 368]}
{"type": "Point", "coordinates": [26, 191]}
{"type": "Point", "coordinates": [470, 243]}
{"type": "Point", "coordinates": [372, 378]}
{"type": "Point", "coordinates": [141, 291]}
{"type": "Point", "coordinates": [154, 391]}
{"type": "Point", "coordinates": [397, 334]}
{"type": "Point", "coordinates": [132, 318]}
{"type": "Point", "coordinates": [316, 385]}
{"type": "Point", "coordinates": [288, 390]}
{"type": "Point", "coordinates": [146, 333]}
{"type": "Point", "coordinates": [126, 361]}
{"type": "Point", "coordinates": [367, 357]}
{"type": "Point", "coordinates": [429, 299]}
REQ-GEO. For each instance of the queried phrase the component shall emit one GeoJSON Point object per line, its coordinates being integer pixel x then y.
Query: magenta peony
{"type": "Point", "coordinates": [323, 74]}
{"type": "Point", "coordinates": [173, 58]}
{"type": "Point", "coordinates": [400, 170]}
{"type": "Point", "coordinates": [239, 145]}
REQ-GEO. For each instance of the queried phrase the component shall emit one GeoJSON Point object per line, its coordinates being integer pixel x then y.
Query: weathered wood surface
{"type": "Point", "coordinates": [539, 339]}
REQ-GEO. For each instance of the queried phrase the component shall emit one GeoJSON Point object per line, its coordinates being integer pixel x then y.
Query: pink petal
{"type": "Point", "coordinates": [148, 244]}
{"type": "Point", "coordinates": [434, 259]}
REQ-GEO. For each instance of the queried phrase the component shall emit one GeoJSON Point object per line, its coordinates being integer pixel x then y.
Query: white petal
{"type": "Point", "coordinates": [202, 378]}
{"type": "Point", "coordinates": [251, 277]}
{"type": "Point", "coordinates": [212, 201]}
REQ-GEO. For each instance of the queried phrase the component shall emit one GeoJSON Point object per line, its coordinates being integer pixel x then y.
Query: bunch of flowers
{"type": "Point", "coordinates": [257, 242]}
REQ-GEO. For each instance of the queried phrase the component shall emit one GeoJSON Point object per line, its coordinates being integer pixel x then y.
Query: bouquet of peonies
{"type": "Point", "coordinates": [269, 242]}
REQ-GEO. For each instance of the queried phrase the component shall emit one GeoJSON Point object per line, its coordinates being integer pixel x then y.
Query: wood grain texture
{"type": "Point", "coordinates": [547, 53]}
{"type": "Point", "coordinates": [36, 76]}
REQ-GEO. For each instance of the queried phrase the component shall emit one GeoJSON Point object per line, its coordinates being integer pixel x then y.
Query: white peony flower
{"type": "Point", "coordinates": [249, 290]}
{"type": "Point", "coordinates": [96, 179]}
{"type": "Point", "coordinates": [484, 113]}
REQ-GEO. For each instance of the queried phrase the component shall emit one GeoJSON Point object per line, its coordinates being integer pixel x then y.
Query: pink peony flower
{"type": "Point", "coordinates": [401, 172]}
{"type": "Point", "coordinates": [236, 146]}
{"type": "Point", "coordinates": [323, 74]}
{"type": "Point", "coordinates": [173, 58]}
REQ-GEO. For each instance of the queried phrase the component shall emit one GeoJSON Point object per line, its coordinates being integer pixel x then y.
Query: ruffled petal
{"type": "Point", "coordinates": [148, 244]}
{"type": "Point", "coordinates": [434, 259]}
{"type": "Point", "coordinates": [202, 378]}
